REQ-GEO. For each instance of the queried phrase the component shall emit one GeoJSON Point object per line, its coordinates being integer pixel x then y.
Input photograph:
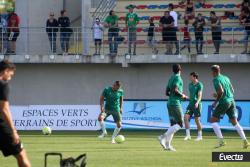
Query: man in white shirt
{"type": "Point", "coordinates": [175, 16]}
{"type": "Point", "coordinates": [98, 35]}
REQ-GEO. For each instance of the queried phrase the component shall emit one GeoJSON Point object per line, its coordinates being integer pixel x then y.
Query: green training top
{"type": "Point", "coordinates": [111, 19]}
{"type": "Point", "coordinates": [132, 20]}
{"type": "Point", "coordinates": [112, 99]}
{"type": "Point", "coordinates": [174, 81]}
{"type": "Point", "coordinates": [194, 89]}
{"type": "Point", "coordinates": [225, 83]}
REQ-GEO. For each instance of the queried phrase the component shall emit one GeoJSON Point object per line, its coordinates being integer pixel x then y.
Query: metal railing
{"type": "Point", "coordinates": [36, 41]}
{"type": "Point", "coordinates": [233, 41]}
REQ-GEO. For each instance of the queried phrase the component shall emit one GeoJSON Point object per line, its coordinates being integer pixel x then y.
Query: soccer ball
{"type": "Point", "coordinates": [120, 139]}
{"type": "Point", "coordinates": [46, 130]}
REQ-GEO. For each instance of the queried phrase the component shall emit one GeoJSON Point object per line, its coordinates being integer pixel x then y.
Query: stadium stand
{"type": "Point", "coordinates": [229, 12]}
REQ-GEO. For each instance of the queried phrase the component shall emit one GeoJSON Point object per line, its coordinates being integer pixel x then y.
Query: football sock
{"type": "Point", "coordinates": [116, 131]}
{"type": "Point", "coordinates": [217, 130]}
{"type": "Point", "coordinates": [199, 133]}
{"type": "Point", "coordinates": [170, 133]}
{"type": "Point", "coordinates": [240, 131]}
{"type": "Point", "coordinates": [187, 132]}
{"type": "Point", "coordinates": [102, 124]}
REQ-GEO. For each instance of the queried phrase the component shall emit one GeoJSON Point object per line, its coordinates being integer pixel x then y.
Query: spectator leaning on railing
{"type": "Point", "coordinates": [3, 31]}
{"type": "Point", "coordinates": [13, 22]}
{"type": "Point", "coordinates": [111, 22]}
{"type": "Point", "coordinates": [151, 35]}
{"type": "Point", "coordinates": [168, 33]}
{"type": "Point", "coordinates": [131, 21]}
{"type": "Point", "coordinates": [52, 29]}
{"type": "Point", "coordinates": [187, 37]}
{"type": "Point", "coordinates": [199, 24]}
{"type": "Point", "coordinates": [215, 23]}
{"type": "Point", "coordinates": [245, 21]}
{"type": "Point", "coordinates": [65, 31]}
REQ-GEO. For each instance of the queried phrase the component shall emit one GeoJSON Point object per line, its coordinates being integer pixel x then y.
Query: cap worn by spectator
{"type": "Point", "coordinates": [130, 6]}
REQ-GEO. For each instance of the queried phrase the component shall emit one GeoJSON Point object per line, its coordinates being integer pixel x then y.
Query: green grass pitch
{"type": "Point", "coordinates": [141, 149]}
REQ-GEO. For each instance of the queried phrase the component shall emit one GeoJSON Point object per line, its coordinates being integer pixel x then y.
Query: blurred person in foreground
{"type": "Point", "coordinates": [10, 143]}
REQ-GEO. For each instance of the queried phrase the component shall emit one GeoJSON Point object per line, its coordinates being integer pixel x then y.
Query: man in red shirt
{"type": "Point", "coordinates": [187, 38]}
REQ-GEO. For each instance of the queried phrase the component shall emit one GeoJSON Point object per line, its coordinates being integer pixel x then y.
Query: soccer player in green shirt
{"type": "Point", "coordinates": [224, 104]}
{"type": "Point", "coordinates": [131, 22]}
{"type": "Point", "coordinates": [113, 106]}
{"type": "Point", "coordinates": [174, 91]}
{"type": "Point", "coordinates": [194, 107]}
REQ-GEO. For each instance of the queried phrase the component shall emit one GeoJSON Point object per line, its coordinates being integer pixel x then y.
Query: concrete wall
{"type": "Point", "coordinates": [75, 9]}
{"type": "Point", "coordinates": [34, 13]}
{"type": "Point", "coordinates": [83, 83]}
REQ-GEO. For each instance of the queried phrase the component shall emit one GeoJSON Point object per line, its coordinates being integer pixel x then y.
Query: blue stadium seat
{"type": "Point", "coordinates": [163, 6]}
{"type": "Point", "coordinates": [144, 18]}
{"type": "Point", "coordinates": [206, 29]}
{"type": "Point", "coordinates": [239, 29]}
{"type": "Point", "coordinates": [227, 29]}
{"type": "Point", "coordinates": [230, 6]}
{"type": "Point", "coordinates": [218, 6]}
{"type": "Point", "coordinates": [152, 6]}
{"type": "Point", "coordinates": [191, 29]}
{"type": "Point", "coordinates": [234, 18]}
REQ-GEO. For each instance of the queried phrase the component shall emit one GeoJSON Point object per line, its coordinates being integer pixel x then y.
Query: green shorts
{"type": "Point", "coordinates": [225, 108]}
{"type": "Point", "coordinates": [116, 115]}
{"type": "Point", "coordinates": [191, 110]}
{"type": "Point", "coordinates": [175, 114]}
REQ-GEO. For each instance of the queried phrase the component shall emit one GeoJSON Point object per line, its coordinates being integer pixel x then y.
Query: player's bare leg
{"type": "Point", "coordinates": [241, 133]}
{"type": "Point", "coordinates": [199, 127]}
{"type": "Point", "coordinates": [187, 126]}
{"type": "Point", "coordinates": [99, 49]}
{"type": "Point", "coordinates": [22, 159]}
